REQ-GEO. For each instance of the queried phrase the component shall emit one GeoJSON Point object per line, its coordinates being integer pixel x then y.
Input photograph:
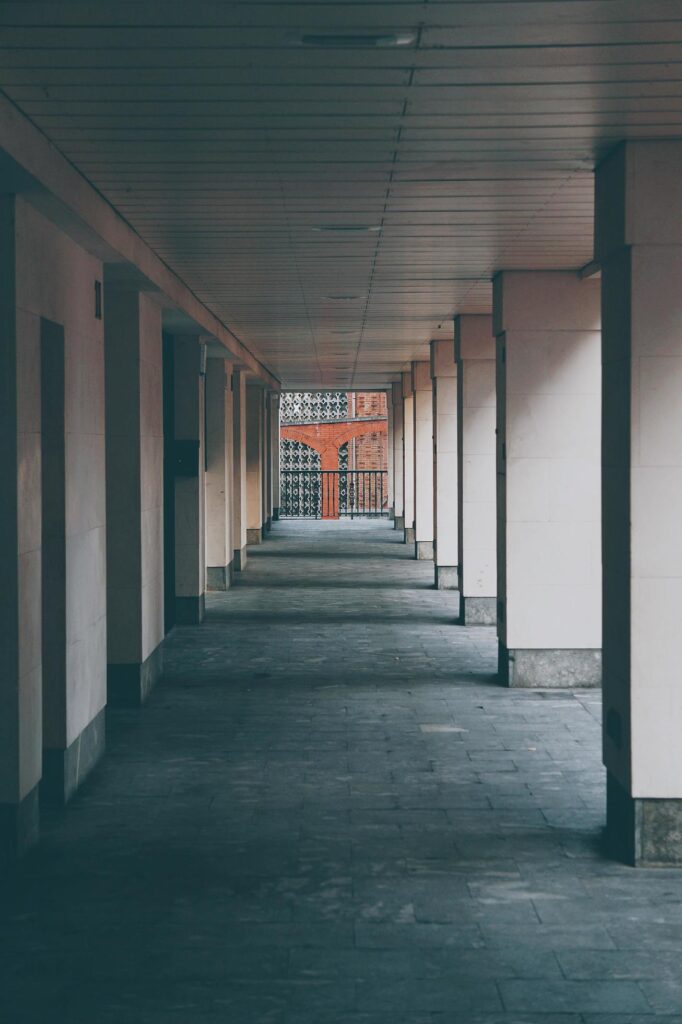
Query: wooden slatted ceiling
{"type": "Point", "coordinates": [227, 144]}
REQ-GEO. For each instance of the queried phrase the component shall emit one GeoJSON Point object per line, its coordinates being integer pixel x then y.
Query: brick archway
{"type": "Point", "coordinates": [327, 438]}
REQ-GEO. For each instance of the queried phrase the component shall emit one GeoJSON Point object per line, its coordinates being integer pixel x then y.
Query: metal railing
{"type": "Point", "coordinates": [333, 493]}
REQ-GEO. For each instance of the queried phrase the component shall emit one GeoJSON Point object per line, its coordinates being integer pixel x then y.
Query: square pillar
{"type": "Point", "coordinates": [254, 464]}
{"type": "Point", "coordinates": [423, 460]}
{"type": "Point", "coordinates": [219, 445]}
{"type": "Point", "coordinates": [239, 469]}
{"type": "Point", "coordinates": [389, 456]}
{"type": "Point", "coordinates": [548, 328]}
{"type": "Point", "coordinates": [408, 455]}
{"type": "Point", "coordinates": [396, 397]}
{"type": "Point", "coordinates": [134, 465]}
{"type": "Point", "coordinates": [274, 453]}
{"type": "Point", "coordinates": [639, 247]}
{"type": "Point", "coordinates": [445, 470]}
{"type": "Point", "coordinates": [475, 355]}
{"type": "Point", "coordinates": [190, 547]}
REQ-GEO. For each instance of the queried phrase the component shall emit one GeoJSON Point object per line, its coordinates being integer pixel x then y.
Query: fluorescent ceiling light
{"type": "Point", "coordinates": [343, 40]}
{"type": "Point", "coordinates": [347, 227]}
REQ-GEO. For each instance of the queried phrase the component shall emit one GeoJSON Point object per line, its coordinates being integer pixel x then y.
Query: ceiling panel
{"type": "Point", "coordinates": [335, 201]}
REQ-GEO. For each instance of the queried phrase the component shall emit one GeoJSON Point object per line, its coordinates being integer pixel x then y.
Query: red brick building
{"type": "Point", "coordinates": [331, 431]}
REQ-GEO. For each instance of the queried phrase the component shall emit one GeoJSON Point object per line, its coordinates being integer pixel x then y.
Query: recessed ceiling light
{"type": "Point", "coordinates": [342, 40]}
{"type": "Point", "coordinates": [347, 227]}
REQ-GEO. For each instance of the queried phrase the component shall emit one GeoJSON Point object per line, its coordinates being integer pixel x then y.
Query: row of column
{"type": "Point", "coordinates": [135, 472]}
{"type": "Point", "coordinates": [538, 460]}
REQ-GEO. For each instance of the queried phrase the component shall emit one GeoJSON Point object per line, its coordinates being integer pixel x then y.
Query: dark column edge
{"type": "Point", "coordinates": [65, 771]}
{"type": "Point", "coordinates": [129, 685]}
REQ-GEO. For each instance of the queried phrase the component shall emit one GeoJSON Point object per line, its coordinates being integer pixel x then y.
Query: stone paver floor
{"type": "Point", "coordinates": [329, 813]}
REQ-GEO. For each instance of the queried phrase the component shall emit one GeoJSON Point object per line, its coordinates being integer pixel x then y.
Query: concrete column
{"type": "Point", "coordinates": [548, 329]}
{"type": "Point", "coordinates": [389, 458]}
{"type": "Point", "coordinates": [134, 465]}
{"type": "Point", "coordinates": [254, 464]}
{"type": "Point", "coordinates": [274, 428]}
{"type": "Point", "coordinates": [52, 520]}
{"type": "Point", "coordinates": [267, 461]}
{"type": "Point", "coordinates": [475, 355]}
{"type": "Point", "coordinates": [445, 470]}
{"type": "Point", "coordinates": [190, 548]}
{"type": "Point", "coordinates": [408, 455]}
{"type": "Point", "coordinates": [423, 460]}
{"type": "Point", "coordinates": [239, 469]}
{"type": "Point", "coordinates": [639, 247]}
{"type": "Point", "coordinates": [219, 445]}
{"type": "Point", "coordinates": [396, 398]}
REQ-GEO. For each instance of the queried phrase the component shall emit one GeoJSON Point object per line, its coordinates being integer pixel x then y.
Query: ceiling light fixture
{"type": "Point", "coordinates": [342, 298]}
{"type": "Point", "coordinates": [345, 40]}
{"type": "Point", "coordinates": [347, 227]}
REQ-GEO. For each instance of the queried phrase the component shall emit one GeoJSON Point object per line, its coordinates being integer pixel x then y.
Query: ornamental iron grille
{"type": "Point", "coordinates": [313, 406]}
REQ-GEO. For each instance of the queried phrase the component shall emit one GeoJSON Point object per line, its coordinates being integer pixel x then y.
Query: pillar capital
{"type": "Point", "coordinates": [474, 337]}
{"type": "Point", "coordinates": [545, 300]}
{"type": "Point", "coordinates": [443, 363]}
{"type": "Point", "coordinates": [421, 375]}
{"type": "Point", "coordinates": [638, 198]}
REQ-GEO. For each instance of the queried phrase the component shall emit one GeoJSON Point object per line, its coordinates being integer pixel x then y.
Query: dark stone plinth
{"type": "Point", "coordinates": [409, 535]}
{"type": "Point", "coordinates": [129, 685]}
{"type": "Point", "coordinates": [446, 577]}
{"type": "Point", "coordinates": [64, 771]}
{"type": "Point", "coordinates": [275, 515]}
{"type": "Point", "coordinates": [19, 827]}
{"type": "Point", "coordinates": [255, 536]}
{"type": "Point", "coordinates": [423, 550]}
{"type": "Point", "coordinates": [219, 577]}
{"type": "Point", "coordinates": [189, 611]}
{"type": "Point", "coordinates": [391, 514]}
{"type": "Point", "coordinates": [240, 559]}
{"type": "Point", "coordinates": [642, 831]}
{"type": "Point", "coordinates": [399, 523]}
{"type": "Point", "coordinates": [550, 668]}
{"type": "Point", "coordinates": [478, 611]}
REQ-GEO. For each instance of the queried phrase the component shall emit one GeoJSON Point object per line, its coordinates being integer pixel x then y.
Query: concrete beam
{"type": "Point", "coordinates": [32, 165]}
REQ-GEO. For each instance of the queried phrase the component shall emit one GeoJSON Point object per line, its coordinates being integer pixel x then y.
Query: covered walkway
{"type": "Point", "coordinates": [330, 813]}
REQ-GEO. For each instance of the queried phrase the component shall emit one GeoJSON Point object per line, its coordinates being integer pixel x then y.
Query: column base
{"type": "Point", "coordinates": [64, 771]}
{"type": "Point", "coordinates": [640, 831]}
{"type": "Point", "coordinates": [219, 577]}
{"type": "Point", "coordinates": [550, 669]}
{"type": "Point", "coordinates": [128, 686]}
{"type": "Point", "coordinates": [254, 536]}
{"type": "Point", "coordinates": [409, 535]}
{"type": "Point", "coordinates": [399, 523]}
{"type": "Point", "coordinates": [19, 827]}
{"type": "Point", "coordinates": [423, 550]}
{"type": "Point", "coordinates": [391, 514]}
{"type": "Point", "coordinates": [190, 611]}
{"type": "Point", "coordinates": [240, 559]}
{"type": "Point", "coordinates": [446, 577]}
{"type": "Point", "coordinates": [267, 525]}
{"type": "Point", "coordinates": [275, 515]}
{"type": "Point", "coordinates": [478, 611]}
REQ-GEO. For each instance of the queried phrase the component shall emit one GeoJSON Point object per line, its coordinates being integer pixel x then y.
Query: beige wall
{"type": "Point", "coordinates": [239, 461]}
{"type": "Point", "coordinates": [444, 373]}
{"type": "Point", "coordinates": [254, 458]}
{"type": "Point", "coordinates": [549, 406]}
{"type": "Point", "coordinates": [475, 349]}
{"type": "Point", "coordinates": [219, 443]}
